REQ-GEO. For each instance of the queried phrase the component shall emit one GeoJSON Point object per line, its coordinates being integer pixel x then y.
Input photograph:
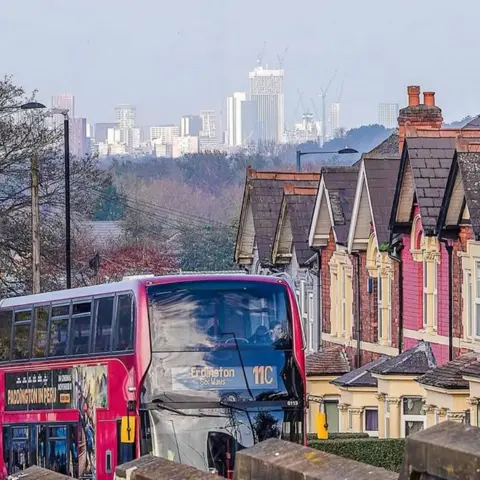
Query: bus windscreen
{"type": "Point", "coordinates": [220, 339]}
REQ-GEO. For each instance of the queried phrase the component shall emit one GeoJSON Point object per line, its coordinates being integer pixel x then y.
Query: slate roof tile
{"type": "Point", "coordinates": [418, 360]}
{"type": "Point", "coordinates": [430, 160]}
{"type": "Point", "coordinates": [266, 195]}
{"type": "Point", "coordinates": [341, 183]}
{"type": "Point", "coordinates": [469, 168]}
{"type": "Point", "coordinates": [450, 375]}
{"type": "Point", "coordinates": [360, 377]}
{"type": "Point", "coordinates": [329, 361]}
{"type": "Point", "coordinates": [381, 177]}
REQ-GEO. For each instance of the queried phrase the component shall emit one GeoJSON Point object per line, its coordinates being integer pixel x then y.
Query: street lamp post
{"type": "Point", "coordinates": [68, 243]}
{"type": "Point", "coordinates": [343, 151]}
{"type": "Point", "coordinates": [36, 284]}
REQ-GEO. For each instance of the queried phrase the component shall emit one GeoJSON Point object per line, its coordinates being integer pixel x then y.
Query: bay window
{"type": "Point", "coordinates": [380, 307]}
{"type": "Point", "coordinates": [371, 422]}
{"type": "Point", "coordinates": [477, 299]}
{"type": "Point", "coordinates": [413, 417]}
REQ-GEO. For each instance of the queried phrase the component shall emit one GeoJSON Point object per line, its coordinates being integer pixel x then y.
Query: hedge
{"type": "Point", "coordinates": [338, 435]}
{"type": "Point", "coordinates": [385, 453]}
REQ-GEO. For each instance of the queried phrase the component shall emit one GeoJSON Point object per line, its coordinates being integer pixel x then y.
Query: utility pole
{"type": "Point", "coordinates": [68, 244]}
{"type": "Point", "coordinates": [35, 224]}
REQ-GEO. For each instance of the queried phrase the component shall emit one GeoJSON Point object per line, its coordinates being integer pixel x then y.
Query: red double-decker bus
{"type": "Point", "coordinates": [190, 368]}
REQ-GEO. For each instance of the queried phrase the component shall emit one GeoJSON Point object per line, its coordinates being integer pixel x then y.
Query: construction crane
{"type": "Point", "coordinates": [261, 54]}
{"type": "Point", "coordinates": [323, 94]}
{"type": "Point", "coordinates": [281, 58]}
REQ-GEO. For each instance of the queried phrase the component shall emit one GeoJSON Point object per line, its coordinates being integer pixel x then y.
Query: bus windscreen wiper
{"type": "Point", "coordinates": [241, 363]}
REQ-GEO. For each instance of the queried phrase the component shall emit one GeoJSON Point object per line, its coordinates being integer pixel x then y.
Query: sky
{"type": "Point", "coordinates": [175, 58]}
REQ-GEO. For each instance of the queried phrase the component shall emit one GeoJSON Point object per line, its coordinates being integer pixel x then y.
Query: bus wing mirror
{"type": "Point", "coordinates": [127, 429]}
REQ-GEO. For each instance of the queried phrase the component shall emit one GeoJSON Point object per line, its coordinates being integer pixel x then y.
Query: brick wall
{"type": "Point", "coordinates": [412, 288]}
{"type": "Point", "coordinates": [442, 292]}
{"type": "Point", "coordinates": [368, 301]}
{"type": "Point", "coordinates": [326, 255]}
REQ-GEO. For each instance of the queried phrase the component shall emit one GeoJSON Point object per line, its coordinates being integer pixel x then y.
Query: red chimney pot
{"type": "Point", "coordinates": [413, 95]}
{"type": "Point", "coordinates": [429, 99]}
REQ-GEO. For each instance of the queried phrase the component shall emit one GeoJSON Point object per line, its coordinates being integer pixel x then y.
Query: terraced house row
{"type": "Point", "coordinates": [385, 259]}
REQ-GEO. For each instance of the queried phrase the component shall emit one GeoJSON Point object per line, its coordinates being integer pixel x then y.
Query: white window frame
{"type": "Point", "coordinates": [371, 433]}
{"type": "Point", "coordinates": [469, 304]}
{"type": "Point", "coordinates": [476, 323]}
{"type": "Point", "coordinates": [435, 294]}
{"type": "Point", "coordinates": [425, 293]}
{"type": "Point", "coordinates": [303, 303]}
{"type": "Point", "coordinates": [311, 321]}
{"type": "Point", "coordinates": [389, 311]}
{"type": "Point", "coordinates": [410, 418]}
{"type": "Point", "coordinates": [344, 303]}
{"type": "Point", "coordinates": [386, 433]}
{"type": "Point", "coordinates": [380, 307]}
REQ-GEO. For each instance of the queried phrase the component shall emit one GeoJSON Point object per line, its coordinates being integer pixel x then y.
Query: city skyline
{"type": "Point", "coordinates": [202, 74]}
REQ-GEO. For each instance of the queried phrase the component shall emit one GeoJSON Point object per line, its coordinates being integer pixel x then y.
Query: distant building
{"type": "Point", "coordinates": [125, 116]}
{"type": "Point", "coordinates": [234, 118]}
{"type": "Point", "coordinates": [250, 132]}
{"type": "Point", "coordinates": [164, 133]}
{"type": "Point", "coordinates": [333, 127]}
{"type": "Point", "coordinates": [64, 101]}
{"type": "Point", "coordinates": [184, 145]}
{"type": "Point", "coordinates": [388, 114]}
{"type": "Point", "coordinates": [162, 150]}
{"type": "Point", "coordinates": [208, 139]}
{"type": "Point", "coordinates": [78, 137]}
{"type": "Point", "coordinates": [267, 90]}
{"type": "Point", "coordinates": [190, 126]}
{"type": "Point", "coordinates": [101, 131]}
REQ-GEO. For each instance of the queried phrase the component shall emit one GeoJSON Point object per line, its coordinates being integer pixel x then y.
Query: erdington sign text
{"type": "Point", "coordinates": [39, 390]}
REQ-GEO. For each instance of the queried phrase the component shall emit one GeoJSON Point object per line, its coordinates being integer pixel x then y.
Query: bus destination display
{"type": "Point", "coordinates": [224, 378]}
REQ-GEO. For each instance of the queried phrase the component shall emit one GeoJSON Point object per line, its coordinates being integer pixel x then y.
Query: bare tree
{"type": "Point", "coordinates": [24, 135]}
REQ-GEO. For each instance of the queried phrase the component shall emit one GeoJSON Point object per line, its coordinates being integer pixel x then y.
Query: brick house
{"type": "Point", "coordinates": [262, 201]}
{"type": "Point", "coordinates": [459, 221]}
{"type": "Point", "coordinates": [292, 255]}
{"type": "Point", "coordinates": [368, 242]}
{"type": "Point", "coordinates": [272, 236]}
{"type": "Point", "coordinates": [423, 254]}
{"type": "Point", "coordinates": [329, 235]}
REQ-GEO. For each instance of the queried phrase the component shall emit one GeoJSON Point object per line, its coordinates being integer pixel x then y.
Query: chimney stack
{"type": "Point", "coordinates": [417, 117]}
{"type": "Point", "coordinates": [413, 96]}
{"type": "Point", "coordinates": [429, 99]}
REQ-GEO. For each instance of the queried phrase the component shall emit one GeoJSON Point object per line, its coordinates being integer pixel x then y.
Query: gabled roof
{"type": "Point", "coordinates": [375, 190]}
{"type": "Point", "coordinates": [450, 375]}
{"type": "Point", "coordinates": [297, 209]}
{"type": "Point", "coordinates": [360, 377]}
{"type": "Point", "coordinates": [330, 361]}
{"type": "Point", "coordinates": [428, 160]}
{"type": "Point", "coordinates": [462, 190]}
{"type": "Point", "coordinates": [418, 360]}
{"type": "Point", "coordinates": [389, 148]}
{"type": "Point", "coordinates": [337, 194]}
{"type": "Point", "coordinates": [263, 194]}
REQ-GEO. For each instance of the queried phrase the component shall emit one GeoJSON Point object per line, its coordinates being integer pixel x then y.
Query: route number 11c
{"type": "Point", "coordinates": [262, 375]}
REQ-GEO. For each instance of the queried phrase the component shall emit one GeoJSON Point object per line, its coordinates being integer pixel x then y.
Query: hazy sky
{"type": "Point", "coordinates": [172, 58]}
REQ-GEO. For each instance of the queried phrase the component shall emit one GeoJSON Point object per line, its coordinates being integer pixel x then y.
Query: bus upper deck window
{"type": "Point", "coordinates": [103, 324]}
{"type": "Point", "coordinates": [5, 331]}
{"type": "Point", "coordinates": [124, 324]}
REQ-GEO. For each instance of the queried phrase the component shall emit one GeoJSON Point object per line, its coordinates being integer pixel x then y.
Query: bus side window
{"type": "Point", "coordinates": [103, 324]}
{"type": "Point", "coordinates": [124, 323]}
{"type": "Point", "coordinates": [5, 332]}
{"type": "Point", "coordinates": [21, 334]}
{"type": "Point", "coordinates": [80, 328]}
{"type": "Point", "coordinates": [59, 331]}
{"type": "Point", "coordinates": [40, 328]}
